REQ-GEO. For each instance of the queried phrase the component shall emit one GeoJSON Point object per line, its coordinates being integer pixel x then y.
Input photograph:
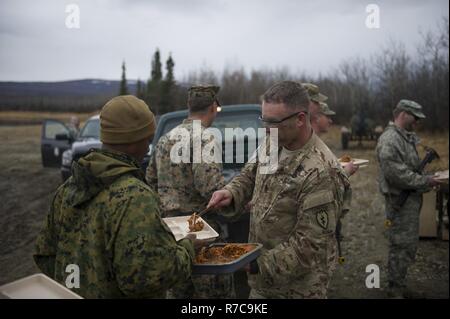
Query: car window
{"type": "Point", "coordinates": [224, 120]}
{"type": "Point", "coordinates": [243, 120]}
{"type": "Point", "coordinates": [91, 129]}
{"type": "Point", "coordinates": [52, 128]}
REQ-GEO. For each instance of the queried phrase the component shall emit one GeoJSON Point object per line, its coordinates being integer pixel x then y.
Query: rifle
{"type": "Point", "coordinates": [430, 155]}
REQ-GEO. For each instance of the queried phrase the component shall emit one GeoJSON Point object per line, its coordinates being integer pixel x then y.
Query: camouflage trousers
{"type": "Point", "coordinates": [205, 287]}
{"type": "Point", "coordinates": [403, 235]}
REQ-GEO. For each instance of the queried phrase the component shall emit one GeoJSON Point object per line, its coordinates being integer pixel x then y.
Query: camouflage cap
{"type": "Point", "coordinates": [202, 96]}
{"type": "Point", "coordinates": [411, 107]}
{"type": "Point", "coordinates": [314, 93]}
{"type": "Point", "coordinates": [325, 109]}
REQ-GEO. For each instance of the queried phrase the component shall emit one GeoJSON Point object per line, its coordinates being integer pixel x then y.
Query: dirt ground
{"type": "Point", "coordinates": [26, 190]}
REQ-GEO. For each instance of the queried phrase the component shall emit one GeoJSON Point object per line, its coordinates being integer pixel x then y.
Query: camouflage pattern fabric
{"type": "Point", "coordinates": [182, 187]}
{"type": "Point", "coordinates": [398, 160]}
{"type": "Point", "coordinates": [403, 236]}
{"type": "Point", "coordinates": [106, 220]}
{"type": "Point", "coordinates": [293, 214]}
{"type": "Point", "coordinates": [185, 188]}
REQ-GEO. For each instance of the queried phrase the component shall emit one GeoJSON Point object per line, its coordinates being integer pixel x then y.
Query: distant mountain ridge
{"type": "Point", "coordinates": [84, 95]}
{"type": "Point", "coordinates": [84, 87]}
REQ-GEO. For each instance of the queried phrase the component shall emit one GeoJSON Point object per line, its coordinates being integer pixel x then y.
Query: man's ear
{"type": "Point", "coordinates": [301, 121]}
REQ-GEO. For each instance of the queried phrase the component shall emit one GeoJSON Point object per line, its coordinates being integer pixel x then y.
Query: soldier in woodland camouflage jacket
{"type": "Point", "coordinates": [185, 185]}
{"type": "Point", "coordinates": [105, 219]}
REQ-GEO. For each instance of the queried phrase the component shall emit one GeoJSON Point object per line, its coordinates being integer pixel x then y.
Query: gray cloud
{"type": "Point", "coordinates": [302, 35]}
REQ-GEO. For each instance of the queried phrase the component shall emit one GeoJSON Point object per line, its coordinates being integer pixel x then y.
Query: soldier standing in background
{"type": "Point", "coordinates": [398, 160]}
{"type": "Point", "coordinates": [105, 219]}
{"type": "Point", "coordinates": [74, 126]}
{"type": "Point", "coordinates": [294, 210]}
{"type": "Point", "coordinates": [185, 188]}
{"type": "Point", "coordinates": [321, 120]}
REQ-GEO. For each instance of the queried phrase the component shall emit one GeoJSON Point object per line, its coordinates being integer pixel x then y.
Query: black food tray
{"type": "Point", "coordinates": [229, 267]}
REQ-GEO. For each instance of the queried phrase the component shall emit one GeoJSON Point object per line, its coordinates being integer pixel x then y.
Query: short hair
{"type": "Point", "coordinates": [396, 112]}
{"type": "Point", "coordinates": [292, 94]}
{"type": "Point", "coordinates": [199, 106]}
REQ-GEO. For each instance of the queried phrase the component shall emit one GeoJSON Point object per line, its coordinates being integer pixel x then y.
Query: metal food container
{"type": "Point", "coordinates": [229, 267]}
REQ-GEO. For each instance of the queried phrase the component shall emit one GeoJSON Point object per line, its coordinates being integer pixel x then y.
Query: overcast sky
{"type": "Point", "coordinates": [311, 36]}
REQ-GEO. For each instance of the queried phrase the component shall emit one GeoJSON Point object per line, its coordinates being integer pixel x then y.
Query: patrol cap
{"type": "Point", "coordinates": [411, 107]}
{"type": "Point", "coordinates": [202, 96]}
{"type": "Point", "coordinates": [126, 119]}
{"type": "Point", "coordinates": [314, 93]}
{"type": "Point", "coordinates": [325, 109]}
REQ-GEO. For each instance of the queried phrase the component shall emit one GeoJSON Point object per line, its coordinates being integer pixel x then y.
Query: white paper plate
{"type": "Point", "coordinates": [37, 286]}
{"type": "Point", "coordinates": [180, 228]}
{"type": "Point", "coordinates": [356, 161]}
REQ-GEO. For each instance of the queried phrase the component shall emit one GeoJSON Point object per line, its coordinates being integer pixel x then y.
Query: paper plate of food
{"type": "Point", "coordinates": [181, 226]}
{"type": "Point", "coordinates": [345, 159]}
{"type": "Point", "coordinates": [441, 176]}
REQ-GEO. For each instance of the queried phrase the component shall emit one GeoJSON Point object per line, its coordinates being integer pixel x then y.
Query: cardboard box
{"type": "Point", "coordinates": [428, 222]}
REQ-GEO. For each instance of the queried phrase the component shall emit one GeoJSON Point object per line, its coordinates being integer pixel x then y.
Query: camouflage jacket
{"type": "Point", "coordinates": [105, 219]}
{"type": "Point", "coordinates": [293, 214]}
{"type": "Point", "coordinates": [398, 159]}
{"type": "Point", "coordinates": [183, 187]}
{"type": "Point", "coordinates": [333, 162]}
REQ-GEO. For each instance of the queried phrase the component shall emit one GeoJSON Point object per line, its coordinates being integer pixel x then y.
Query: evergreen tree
{"type": "Point", "coordinates": [168, 85]}
{"type": "Point", "coordinates": [156, 67]}
{"type": "Point", "coordinates": [153, 92]}
{"type": "Point", "coordinates": [140, 93]}
{"type": "Point", "coordinates": [123, 82]}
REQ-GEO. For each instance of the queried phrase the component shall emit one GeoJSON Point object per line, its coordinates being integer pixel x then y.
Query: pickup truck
{"type": "Point", "coordinates": [59, 148]}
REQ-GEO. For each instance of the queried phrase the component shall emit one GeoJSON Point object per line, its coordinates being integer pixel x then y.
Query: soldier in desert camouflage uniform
{"type": "Point", "coordinates": [321, 121]}
{"type": "Point", "coordinates": [185, 187]}
{"type": "Point", "coordinates": [105, 219]}
{"type": "Point", "coordinates": [294, 210]}
{"type": "Point", "coordinates": [398, 160]}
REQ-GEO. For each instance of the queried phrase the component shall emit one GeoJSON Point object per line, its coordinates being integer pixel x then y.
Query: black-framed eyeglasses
{"type": "Point", "coordinates": [275, 122]}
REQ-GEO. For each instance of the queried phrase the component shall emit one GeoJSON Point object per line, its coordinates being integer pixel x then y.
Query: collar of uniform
{"type": "Point", "coordinates": [409, 136]}
{"type": "Point", "coordinates": [123, 157]}
{"type": "Point", "coordinates": [292, 166]}
{"type": "Point", "coordinates": [190, 121]}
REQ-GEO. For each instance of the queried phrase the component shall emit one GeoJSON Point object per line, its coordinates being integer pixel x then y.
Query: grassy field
{"type": "Point", "coordinates": [26, 189]}
{"type": "Point", "coordinates": [30, 118]}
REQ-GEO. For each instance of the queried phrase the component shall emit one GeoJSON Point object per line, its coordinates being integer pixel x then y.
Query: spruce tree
{"type": "Point", "coordinates": [168, 86]}
{"type": "Point", "coordinates": [140, 89]}
{"type": "Point", "coordinates": [123, 82]}
{"type": "Point", "coordinates": [153, 92]}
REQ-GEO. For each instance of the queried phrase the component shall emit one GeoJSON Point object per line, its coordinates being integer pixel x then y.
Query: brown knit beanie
{"type": "Point", "coordinates": [126, 119]}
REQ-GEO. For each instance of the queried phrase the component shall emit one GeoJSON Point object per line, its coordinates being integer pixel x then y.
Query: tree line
{"type": "Point", "coordinates": [368, 87]}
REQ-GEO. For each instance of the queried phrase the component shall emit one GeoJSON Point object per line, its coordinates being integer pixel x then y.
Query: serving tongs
{"type": "Point", "coordinates": [203, 212]}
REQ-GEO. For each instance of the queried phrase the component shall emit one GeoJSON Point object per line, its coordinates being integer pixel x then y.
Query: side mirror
{"type": "Point", "coordinates": [62, 137]}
